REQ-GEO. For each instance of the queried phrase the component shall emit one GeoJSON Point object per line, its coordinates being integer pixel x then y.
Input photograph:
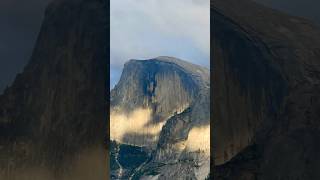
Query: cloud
{"type": "Point", "coordinates": [143, 29]}
{"type": "Point", "coordinates": [199, 139]}
{"type": "Point", "coordinates": [136, 122]}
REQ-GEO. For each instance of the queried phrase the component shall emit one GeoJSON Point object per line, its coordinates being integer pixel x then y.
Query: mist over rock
{"type": "Point", "coordinates": [177, 95]}
{"type": "Point", "coordinates": [266, 93]}
{"type": "Point", "coordinates": [52, 117]}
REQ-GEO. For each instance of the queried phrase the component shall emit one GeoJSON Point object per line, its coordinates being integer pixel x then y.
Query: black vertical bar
{"type": "Point", "coordinates": [211, 93]}
{"type": "Point", "coordinates": [107, 139]}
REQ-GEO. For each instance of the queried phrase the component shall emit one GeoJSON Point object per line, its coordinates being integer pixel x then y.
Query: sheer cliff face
{"type": "Point", "coordinates": [163, 104]}
{"type": "Point", "coordinates": [247, 85]}
{"type": "Point", "coordinates": [151, 91]}
{"type": "Point", "coordinates": [266, 93]}
{"type": "Point", "coordinates": [53, 115]}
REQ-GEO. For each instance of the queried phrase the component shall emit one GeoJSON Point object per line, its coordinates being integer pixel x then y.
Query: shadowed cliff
{"type": "Point", "coordinates": [266, 93]}
{"type": "Point", "coordinates": [52, 119]}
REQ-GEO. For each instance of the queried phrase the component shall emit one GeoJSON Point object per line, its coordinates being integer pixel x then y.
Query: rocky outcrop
{"type": "Point", "coordinates": [51, 118]}
{"type": "Point", "coordinates": [266, 93]}
{"type": "Point", "coordinates": [177, 96]}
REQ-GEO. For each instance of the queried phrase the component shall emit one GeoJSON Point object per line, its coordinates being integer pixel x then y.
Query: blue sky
{"type": "Point", "coordinates": [144, 29]}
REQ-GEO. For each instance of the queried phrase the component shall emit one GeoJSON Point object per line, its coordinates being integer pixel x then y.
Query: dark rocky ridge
{"type": "Point", "coordinates": [178, 94]}
{"type": "Point", "coordinates": [51, 118]}
{"type": "Point", "coordinates": [266, 93]}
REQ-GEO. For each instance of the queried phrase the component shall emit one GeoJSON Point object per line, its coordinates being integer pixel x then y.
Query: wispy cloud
{"type": "Point", "coordinates": [142, 29]}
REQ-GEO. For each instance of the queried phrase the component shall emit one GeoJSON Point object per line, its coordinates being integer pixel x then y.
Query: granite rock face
{"type": "Point", "coordinates": [177, 94]}
{"type": "Point", "coordinates": [266, 93]}
{"type": "Point", "coordinates": [52, 117]}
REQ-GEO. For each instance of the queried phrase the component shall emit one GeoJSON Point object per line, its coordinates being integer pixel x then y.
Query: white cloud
{"type": "Point", "coordinates": [199, 139]}
{"type": "Point", "coordinates": [142, 29]}
{"type": "Point", "coordinates": [135, 122]}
